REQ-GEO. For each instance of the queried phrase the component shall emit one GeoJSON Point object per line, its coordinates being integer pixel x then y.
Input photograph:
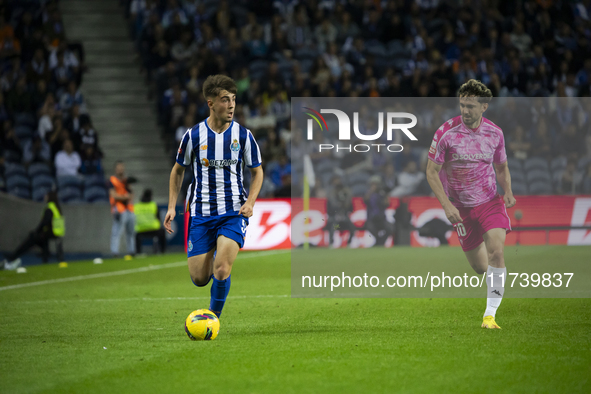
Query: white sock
{"type": "Point", "coordinates": [495, 289]}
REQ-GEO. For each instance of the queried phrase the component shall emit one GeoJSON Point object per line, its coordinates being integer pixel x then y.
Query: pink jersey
{"type": "Point", "coordinates": [467, 156]}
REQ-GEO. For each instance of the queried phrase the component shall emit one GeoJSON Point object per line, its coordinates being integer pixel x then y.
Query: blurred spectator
{"type": "Point", "coordinates": [121, 198]}
{"type": "Point", "coordinates": [71, 97]}
{"type": "Point", "coordinates": [518, 145]}
{"type": "Point", "coordinates": [13, 151]}
{"type": "Point", "coordinates": [37, 150]}
{"type": "Point", "coordinates": [376, 202]}
{"type": "Point", "coordinates": [90, 161]}
{"type": "Point", "coordinates": [282, 168]}
{"type": "Point", "coordinates": [51, 226]}
{"type": "Point", "coordinates": [148, 223]}
{"type": "Point", "coordinates": [19, 99]}
{"type": "Point", "coordinates": [67, 161]}
{"type": "Point", "coordinates": [58, 136]}
{"type": "Point", "coordinates": [338, 209]}
{"type": "Point", "coordinates": [408, 180]}
{"type": "Point", "coordinates": [568, 180]}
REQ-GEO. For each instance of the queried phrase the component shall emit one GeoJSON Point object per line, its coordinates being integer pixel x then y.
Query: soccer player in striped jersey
{"type": "Point", "coordinates": [217, 150]}
{"type": "Point", "coordinates": [465, 154]}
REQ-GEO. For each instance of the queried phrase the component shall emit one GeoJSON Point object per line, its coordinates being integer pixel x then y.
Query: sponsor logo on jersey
{"type": "Point", "coordinates": [180, 151]}
{"type": "Point", "coordinates": [472, 156]}
{"type": "Point", "coordinates": [203, 147]}
{"type": "Point", "coordinates": [218, 163]}
{"type": "Point", "coordinates": [235, 146]}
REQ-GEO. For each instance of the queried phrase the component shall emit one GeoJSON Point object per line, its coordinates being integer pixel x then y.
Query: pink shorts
{"type": "Point", "coordinates": [478, 220]}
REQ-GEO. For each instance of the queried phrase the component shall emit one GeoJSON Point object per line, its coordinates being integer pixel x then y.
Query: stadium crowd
{"type": "Point", "coordinates": [280, 49]}
{"type": "Point", "coordinates": [47, 137]}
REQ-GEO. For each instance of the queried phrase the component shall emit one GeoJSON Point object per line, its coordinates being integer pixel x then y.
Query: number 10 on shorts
{"type": "Point", "coordinates": [461, 230]}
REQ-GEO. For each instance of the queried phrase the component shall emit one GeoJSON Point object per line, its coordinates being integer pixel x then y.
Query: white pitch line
{"type": "Point", "coordinates": [143, 299]}
{"type": "Point", "coordinates": [125, 272]}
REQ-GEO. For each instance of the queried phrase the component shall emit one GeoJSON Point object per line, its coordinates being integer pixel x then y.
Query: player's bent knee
{"type": "Point", "coordinates": [222, 271]}
{"type": "Point", "coordinates": [200, 280]}
{"type": "Point", "coordinates": [495, 257]}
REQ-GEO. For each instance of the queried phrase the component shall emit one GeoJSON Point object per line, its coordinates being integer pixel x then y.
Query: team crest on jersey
{"type": "Point", "coordinates": [190, 246]}
{"type": "Point", "coordinates": [235, 146]}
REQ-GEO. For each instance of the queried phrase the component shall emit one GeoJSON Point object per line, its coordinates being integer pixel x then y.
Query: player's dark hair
{"type": "Point", "coordinates": [52, 197]}
{"type": "Point", "coordinates": [214, 84]}
{"type": "Point", "coordinates": [147, 196]}
{"type": "Point", "coordinates": [474, 88]}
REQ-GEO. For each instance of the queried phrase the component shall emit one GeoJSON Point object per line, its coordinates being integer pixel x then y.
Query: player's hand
{"type": "Point", "coordinates": [452, 213]}
{"type": "Point", "coordinates": [246, 210]}
{"type": "Point", "coordinates": [168, 219]}
{"type": "Point", "coordinates": [509, 200]}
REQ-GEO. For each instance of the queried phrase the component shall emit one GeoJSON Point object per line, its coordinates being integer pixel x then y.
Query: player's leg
{"type": "Point", "coordinates": [200, 249]}
{"type": "Point", "coordinates": [130, 231]}
{"type": "Point", "coordinates": [496, 274]}
{"type": "Point", "coordinates": [478, 258]}
{"type": "Point", "coordinates": [116, 233]}
{"type": "Point", "coordinates": [227, 250]}
{"type": "Point", "coordinates": [231, 233]}
{"type": "Point", "coordinates": [201, 268]}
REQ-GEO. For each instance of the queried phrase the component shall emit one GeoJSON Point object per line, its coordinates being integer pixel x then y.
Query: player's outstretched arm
{"type": "Point", "coordinates": [253, 193]}
{"type": "Point", "coordinates": [504, 178]}
{"type": "Point", "coordinates": [176, 180]}
{"type": "Point", "coordinates": [452, 213]}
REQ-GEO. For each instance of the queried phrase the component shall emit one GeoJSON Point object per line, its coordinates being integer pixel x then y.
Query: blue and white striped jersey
{"type": "Point", "coordinates": [218, 165]}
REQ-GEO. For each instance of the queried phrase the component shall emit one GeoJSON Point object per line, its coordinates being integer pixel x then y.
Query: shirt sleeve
{"type": "Point", "coordinates": [500, 152]}
{"type": "Point", "coordinates": [252, 153]}
{"type": "Point", "coordinates": [183, 156]}
{"type": "Point", "coordinates": [437, 149]}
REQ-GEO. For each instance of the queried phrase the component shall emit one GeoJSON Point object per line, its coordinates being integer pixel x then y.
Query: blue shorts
{"type": "Point", "coordinates": [205, 230]}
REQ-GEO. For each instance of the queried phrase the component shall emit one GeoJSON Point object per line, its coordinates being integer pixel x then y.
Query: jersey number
{"type": "Point", "coordinates": [461, 229]}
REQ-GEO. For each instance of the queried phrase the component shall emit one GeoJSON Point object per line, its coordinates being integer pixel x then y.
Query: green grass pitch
{"type": "Point", "coordinates": [124, 334]}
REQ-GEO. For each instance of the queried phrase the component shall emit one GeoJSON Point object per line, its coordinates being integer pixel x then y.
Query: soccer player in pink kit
{"type": "Point", "coordinates": [460, 172]}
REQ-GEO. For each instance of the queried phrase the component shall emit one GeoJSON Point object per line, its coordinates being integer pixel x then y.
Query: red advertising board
{"type": "Point", "coordinates": [270, 226]}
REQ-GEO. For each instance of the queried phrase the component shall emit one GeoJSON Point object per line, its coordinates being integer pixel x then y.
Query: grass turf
{"type": "Point", "coordinates": [125, 334]}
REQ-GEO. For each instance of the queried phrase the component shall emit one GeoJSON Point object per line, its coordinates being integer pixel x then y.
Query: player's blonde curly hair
{"type": "Point", "coordinates": [474, 88]}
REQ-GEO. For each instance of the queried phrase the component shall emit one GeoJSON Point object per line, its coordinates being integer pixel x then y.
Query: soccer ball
{"type": "Point", "coordinates": [202, 325]}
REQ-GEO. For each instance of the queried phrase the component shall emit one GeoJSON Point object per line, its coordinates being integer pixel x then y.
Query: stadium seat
{"type": "Point", "coordinates": [17, 180]}
{"type": "Point", "coordinates": [96, 193]}
{"type": "Point", "coordinates": [42, 180]}
{"type": "Point", "coordinates": [358, 178]}
{"type": "Point", "coordinates": [514, 164]}
{"type": "Point", "coordinates": [517, 175]}
{"type": "Point", "coordinates": [558, 163]}
{"type": "Point", "coordinates": [587, 185]}
{"type": "Point", "coordinates": [536, 162]}
{"type": "Point", "coordinates": [40, 192]}
{"type": "Point", "coordinates": [23, 132]}
{"type": "Point", "coordinates": [21, 192]}
{"type": "Point", "coordinates": [38, 169]}
{"type": "Point", "coordinates": [258, 66]}
{"type": "Point", "coordinates": [538, 175]}
{"type": "Point", "coordinates": [583, 163]}
{"type": "Point", "coordinates": [305, 53]}
{"type": "Point", "coordinates": [69, 194]}
{"type": "Point", "coordinates": [14, 168]}
{"type": "Point", "coordinates": [358, 190]}
{"type": "Point", "coordinates": [376, 48]}
{"type": "Point", "coordinates": [540, 187]}
{"type": "Point", "coordinates": [94, 180]}
{"type": "Point", "coordinates": [69, 181]}
{"type": "Point", "coordinates": [519, 188]}
{"type": "Point", "coordinates": [325, 166]}
{"type": "Point", "coordinates": [25, 119]}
